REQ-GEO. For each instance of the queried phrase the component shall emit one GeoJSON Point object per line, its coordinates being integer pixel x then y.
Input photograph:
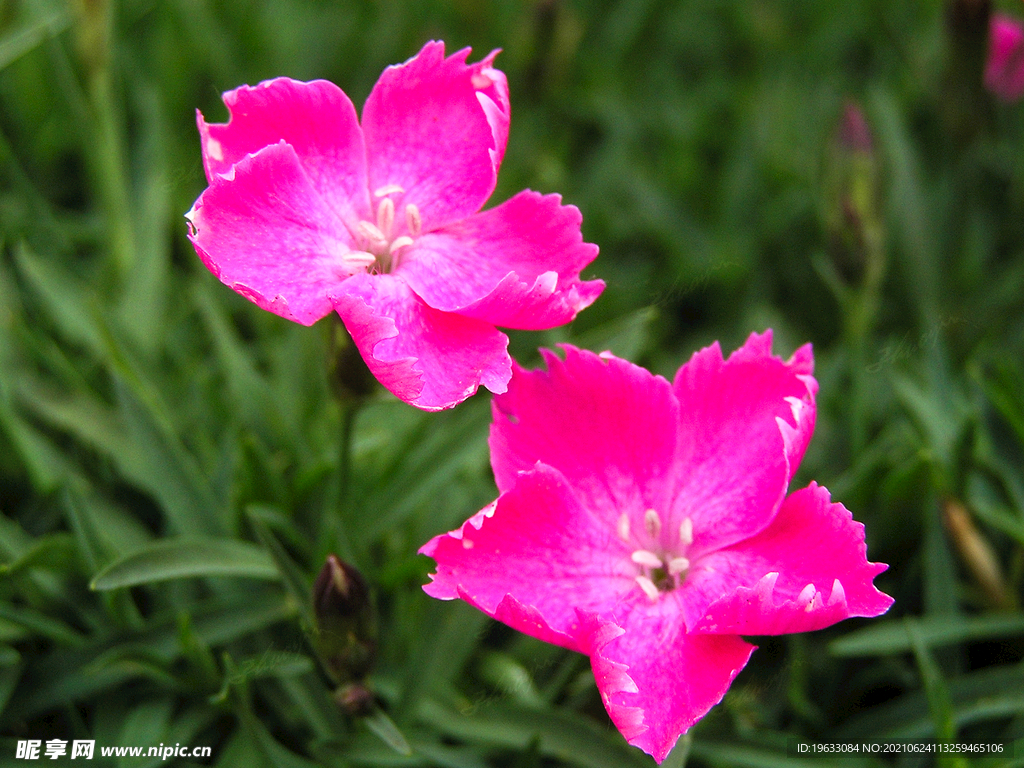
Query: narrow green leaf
{"type": "Point", "coordinates": [144, 299]}
{"type": "Point", "coordinates": [9, 677]}
{"type": "Point", "coordinates": [562, 735]}
{"type": "Point", "coordinates": [17, 43]}
{"type": "Point", "coordinates": [185, 557]}
{"type": "Point", "coordinates": [271, 663]}
{"type": "Point", "coordinates": [295, 581]}
{"type": "Point", "coordinates": [940, 706]}
{"type": "Point", "coordinates": [737, 756]}
{"type": "Point", "coordinates": [626, 337]}
{"type": "Point", "coordinates": [52, 552]}
{"type": "Point", "coordinates": [155, 459]}
{"type": "Point", "coordinates": [276, 754]}
{"type": "Point", "coordinates": [890, 637]}
{"type": "Point", "coordinates": [41, 624]}
{"type": "Point", "coordinates": [64, 298]}
{"type": "Point", "coordinates": [8, 656]}
{"type": "Point", "coordinates": [385, 729]}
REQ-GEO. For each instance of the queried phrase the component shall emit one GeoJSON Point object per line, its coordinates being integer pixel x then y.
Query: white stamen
{"type": "Point", "coordinates": [413, 222]}
{"type": "Point", "coordinates": [467, 544]}
{"type": "Point", "coordinates": [678, 565]}
{"type": "Point", "coordinates": [358, 259]}
{"type": "Point", "coordinates": [400, 242]}
{"type": "Point", "coordinates": [648, 587]}
{"type": "Point", "coordinates": [481, 81]}
{"type": "Point", "coordinates": [686, 531]}
{"type": "Point", "coordinates": [646, 558]}
{"type": "Point", "coordinates": [372, 234]}
{"type": "Point", "coordinates": [623, 527]}
{"type": "Point", "coordinates": [388, 189]}
{"type": "Point", "coordinates": [386, 216]}
{"type": "Point", "coordinates": [652, 523]}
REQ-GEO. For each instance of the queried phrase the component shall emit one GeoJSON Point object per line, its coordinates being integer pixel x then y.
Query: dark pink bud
{"type": "Point", "coordinates": [1004, 70]}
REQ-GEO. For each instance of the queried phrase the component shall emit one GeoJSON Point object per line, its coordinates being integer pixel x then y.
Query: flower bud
{"type": "Point", "coordinates": [1004, 66]}
{"type": "Point", "coordinates": [852, 216]}
{"type": "Point", "coordinates": [346, 631]}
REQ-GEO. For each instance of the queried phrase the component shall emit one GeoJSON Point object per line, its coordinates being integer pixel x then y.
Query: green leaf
{"type": "Point", "coordinates": [18, 42]}
{"type": "Point", "coordinates": [295, 581]}
{"type": "Point", "coordinates": [52, 552]}
{"type": "Point", "coordinates": [8, 656]}
{"type": "Point", "coordinates": [185, 557]}
{"type": "Point", "coordinates": [385, 729]}
{"type": "Point", "coordinates": [41, 624]}
{"type": "Point", "coordinates": [270, 663]}
{"type": "Point", "coordinates": [940, 705]}
{"type": "Point", "coordinates": [9, 677]}
{"type": "Point", "coordinates": [562, 735]}
{"type": "Point", "coordinates": [156, 459]}
{"type": "Point", "coordinates": [64, 298]}
{"type": "Point", "coordinates": [737, 756]}
{"type": "Point", "coordinates": [891, 637]}
{"type": "Point", "coordinates": [627, 336]}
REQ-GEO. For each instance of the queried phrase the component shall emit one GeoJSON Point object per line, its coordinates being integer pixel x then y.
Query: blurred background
{"type": "Point", "coordinates": [176, 464]}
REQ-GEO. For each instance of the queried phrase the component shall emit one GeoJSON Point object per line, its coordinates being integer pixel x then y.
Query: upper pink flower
{"type": "Point", "coordinates": [647, 525]}
{"type": "Point", "coordinates": [309, 211]}
{"type": "Point", "coordinates": [1004, 70]}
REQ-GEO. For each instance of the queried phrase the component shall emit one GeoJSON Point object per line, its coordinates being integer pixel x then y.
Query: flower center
{"type": "Point", "coordinates": [661, 562]}
{"type": "Point", "coordinates": [381, 242]}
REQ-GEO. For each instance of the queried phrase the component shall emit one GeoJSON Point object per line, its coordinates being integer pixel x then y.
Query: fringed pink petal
{"type": "Point", "coordinates": [745, 423]}
{"type": "Point", "coordinates": [609, 426]}
{"type": "Point", "coordinates": [266, 233]}
{"type": "Point", "coordinates": [807, 570]}
{"type": "Point", "coordinates": [679, 677]}
{"type": "Point", "coordinates": [433, 360]}
{"type": "Point", "coordinates": [538, 544]}
{"type": "Point", "coordinates": [436, 129]}
{"type": "Point", "coordinates": [516, 266]}
{"type": "Point", "coordinates": [317, 119]}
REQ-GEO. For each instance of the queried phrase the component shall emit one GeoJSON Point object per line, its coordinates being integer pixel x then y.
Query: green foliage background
{"type": "Point", "coordinates": [160, 432]}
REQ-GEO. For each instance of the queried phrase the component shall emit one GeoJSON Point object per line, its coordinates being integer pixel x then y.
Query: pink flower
{"type": "Point", "coordinates": [309, 211]}
{"type": "Point", "coordinates": [1004, 70]}
{"type": "Point", "coordinates": [647, 525]}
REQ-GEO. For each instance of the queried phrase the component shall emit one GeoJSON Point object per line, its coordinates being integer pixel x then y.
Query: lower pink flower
{"type": "Point", "coordinates": [1004, 70]}
{"type": "Point", "coordinates": [647, 524]}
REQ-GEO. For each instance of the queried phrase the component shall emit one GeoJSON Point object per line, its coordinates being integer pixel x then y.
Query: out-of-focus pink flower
{"type": "Point", "coordinates": [307, 210]}
{"type": "Point", "coordinates": [647, 525]}
{"type": "Point", "coordinates": [1004, 70]}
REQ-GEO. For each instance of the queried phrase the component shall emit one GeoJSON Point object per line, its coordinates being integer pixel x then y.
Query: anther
{"type": "Point", "coordinates": [385, 216]}
{"type": "Point", "coordinates": [652, 523]}
{"type": "Point", "coordinates": [358, 259]}
{"type": "Point", "coordinates": [413, 222]}
{"type": "Point", "coordinates": [646, 558]}
{"type": "Point", "coordinates": [400, 242]}
{"type": "Point", "coordinates": [686, 531]}
{"type": "Point", "coordinates": [678, 565]}
{"type": "Point", "coordinates": [623, 527]}
{"type": "Point", "coordinates": [648, 587]}
{"type": "Point", "coordinates": [372, 234]}
{"type": "Point", "coordinates": [387, 189]}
